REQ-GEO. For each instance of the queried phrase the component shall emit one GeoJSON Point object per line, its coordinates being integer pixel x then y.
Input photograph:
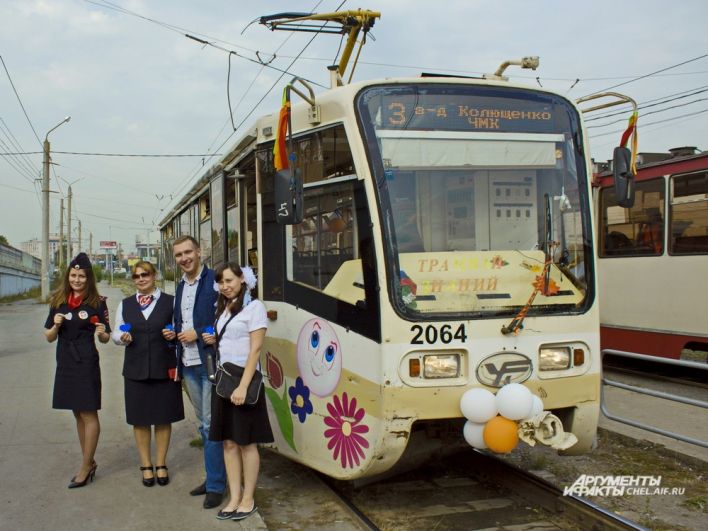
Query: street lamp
{"type": "Point", "coordinates": [45, 213]}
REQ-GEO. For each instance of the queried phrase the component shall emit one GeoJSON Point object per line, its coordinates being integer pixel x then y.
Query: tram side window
{"type": "Point", "coordinates": [636, 231]}
{"type": "Point", "coordinates": [323, 244]}
{"type": "Point", "coordinates": [689, 214]}
{"type": "Point", "coordinates": [324, 154]}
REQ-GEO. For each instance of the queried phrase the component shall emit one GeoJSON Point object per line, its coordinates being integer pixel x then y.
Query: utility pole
{"type": "Point", "coordinates": [91, 245]}
{"type": "Point", "coordinates": [79, 250]}
{"type": "Point", "coordinates": [45, 211]}
{"type": "Point", "coordinates": [70, 254]}
{"type": "Point", "coordinates": [61, 231]}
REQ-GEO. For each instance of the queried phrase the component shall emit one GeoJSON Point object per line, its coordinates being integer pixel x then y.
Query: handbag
{"type": "Point", "coordinates": [228, 378]}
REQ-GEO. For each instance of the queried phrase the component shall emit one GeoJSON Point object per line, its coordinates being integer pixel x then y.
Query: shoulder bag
{"type": "Point", "coordinates": [228, 376]}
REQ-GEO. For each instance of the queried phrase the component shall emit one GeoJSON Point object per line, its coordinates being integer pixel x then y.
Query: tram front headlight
{"type": "Point", "coordinates": [554, 358]}
{"type": "Point", "coordinates": [441, 366]}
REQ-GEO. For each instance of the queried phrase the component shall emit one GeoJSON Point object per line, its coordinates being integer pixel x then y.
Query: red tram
{"type": "Point", "coordinates": [653, 257]}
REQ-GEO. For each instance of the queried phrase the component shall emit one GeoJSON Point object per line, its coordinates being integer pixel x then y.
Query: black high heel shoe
{"type": "Point", "coordinates": [162, 481]}
{"type": "Point", "coordinates": [73, 484]}
{"type": "Point", "coordinates": [148, 482]}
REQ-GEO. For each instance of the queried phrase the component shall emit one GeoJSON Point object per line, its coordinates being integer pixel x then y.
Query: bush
{"type": "Point", "coordinates": [97, 272]}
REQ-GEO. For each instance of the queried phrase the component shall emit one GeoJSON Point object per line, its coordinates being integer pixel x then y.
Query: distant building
{"type": "Point", "coordinates": [34, 246]}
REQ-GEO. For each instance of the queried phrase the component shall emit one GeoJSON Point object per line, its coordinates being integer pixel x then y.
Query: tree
{"type": "Point", "coordinates": [3, 240]}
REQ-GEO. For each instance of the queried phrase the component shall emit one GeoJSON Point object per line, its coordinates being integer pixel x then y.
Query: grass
{"type": "Point", "coordinates": [34, 293]}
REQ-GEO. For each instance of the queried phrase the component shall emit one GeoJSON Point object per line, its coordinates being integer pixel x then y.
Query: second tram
{"type": "Point", "coordinates": [654, 257]}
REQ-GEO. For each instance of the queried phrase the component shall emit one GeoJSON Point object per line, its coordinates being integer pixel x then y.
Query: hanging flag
{"type": "Point", "coordinates": [280, 152]}
{"type": "Point", "coordinates": [631, 131]}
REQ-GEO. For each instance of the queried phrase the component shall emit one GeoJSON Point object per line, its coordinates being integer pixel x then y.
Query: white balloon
{"type": "Point", "coordinates": [478, 405]}
{"type": "Point", "coordinates": [514, 401]}
{"type": "Point", "coordinates": [537, 406]}
{"type": "Point", "coordinates": [473, 433]}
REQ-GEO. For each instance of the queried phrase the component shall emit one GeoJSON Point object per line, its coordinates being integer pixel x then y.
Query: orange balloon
{"type": "Point", "coordinates": [500, 434]}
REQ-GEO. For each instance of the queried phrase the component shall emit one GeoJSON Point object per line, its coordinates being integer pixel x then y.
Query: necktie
{"type": "Point", "coordinates": [144, 301]}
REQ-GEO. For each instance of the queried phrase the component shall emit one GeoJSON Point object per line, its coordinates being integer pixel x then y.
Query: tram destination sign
{"type": "Point", "coordinates": [470, 112]}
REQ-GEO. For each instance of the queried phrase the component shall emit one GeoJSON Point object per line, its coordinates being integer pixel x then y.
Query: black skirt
{"type": "Point", "coordinates": [149, 402]}
{"type": "Point", "coordinates": [246, 424]}
{"type": "Point", "coordinates": [77, 382]}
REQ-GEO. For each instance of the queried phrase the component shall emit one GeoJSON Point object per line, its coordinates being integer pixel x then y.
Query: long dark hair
{"type": "Point", "coordinates": [61, 293]}
{"type": "Point", "coordinates": [222, 303]}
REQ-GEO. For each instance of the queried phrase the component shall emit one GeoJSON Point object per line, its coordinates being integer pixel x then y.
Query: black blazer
{"type": "Point", "coordinates": [149, 355]}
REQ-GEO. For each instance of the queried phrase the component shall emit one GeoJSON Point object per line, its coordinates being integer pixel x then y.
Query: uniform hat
{"type": "Point", "coordinates": [80, 262]}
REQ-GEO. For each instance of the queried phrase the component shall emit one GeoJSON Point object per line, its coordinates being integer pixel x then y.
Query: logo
{"type": "Point", "coordinates": [503, 368]}
{"type": "Point", "coordinates": [589, 485]}
{"type": "Point", "coordinates": [83, 314]}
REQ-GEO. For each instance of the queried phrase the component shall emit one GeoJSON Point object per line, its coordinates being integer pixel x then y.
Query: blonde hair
{"type": "Point", "coordinates": [144, 264]}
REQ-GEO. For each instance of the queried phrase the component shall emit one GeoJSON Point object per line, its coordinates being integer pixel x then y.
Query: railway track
{"type": "Point", "coordinates": [471, 491]}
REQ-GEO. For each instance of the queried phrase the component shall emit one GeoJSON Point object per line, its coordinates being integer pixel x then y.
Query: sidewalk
{"type": "Point", "coordinates": [39, 448]}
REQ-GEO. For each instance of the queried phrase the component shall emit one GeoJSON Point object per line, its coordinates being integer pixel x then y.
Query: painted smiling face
{"type": "Point", "coordinates": [319, 358]}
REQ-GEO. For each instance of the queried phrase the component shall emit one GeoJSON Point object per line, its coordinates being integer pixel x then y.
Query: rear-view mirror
{"type": "Point", "coordinates": [624, 178]}
{"type": "Point", "coordinates": [288, 197]}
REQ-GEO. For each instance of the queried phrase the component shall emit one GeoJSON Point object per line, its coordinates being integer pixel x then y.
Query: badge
{"type": "Point", "coordinates": [83, 314]}
{"type": "Point", "coordinates": [68, 316]}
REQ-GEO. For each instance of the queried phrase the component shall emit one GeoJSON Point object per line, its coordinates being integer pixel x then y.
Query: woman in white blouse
{"type": "Point", "coordinates": [153, 397]}
{"type": "Point", "coordinates": [241, 327]}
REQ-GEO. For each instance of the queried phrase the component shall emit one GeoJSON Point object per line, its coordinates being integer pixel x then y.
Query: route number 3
{"type": "Point", "coordinates": [430, 334]}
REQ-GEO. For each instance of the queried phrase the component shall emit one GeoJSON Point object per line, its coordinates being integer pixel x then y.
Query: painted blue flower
{"type": "Point", "coordinates": [300, 404]}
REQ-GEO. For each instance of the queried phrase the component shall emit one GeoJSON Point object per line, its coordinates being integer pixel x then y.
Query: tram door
{"type": "Point", "coordinates": [242, 219]}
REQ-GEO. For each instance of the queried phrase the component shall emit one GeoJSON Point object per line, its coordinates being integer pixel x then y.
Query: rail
{"type": "Point", "coordinates": [650, 392]}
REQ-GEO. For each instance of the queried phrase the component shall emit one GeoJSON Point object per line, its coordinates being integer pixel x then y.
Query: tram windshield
{"type": "Point", "coordinates": [483, 192]}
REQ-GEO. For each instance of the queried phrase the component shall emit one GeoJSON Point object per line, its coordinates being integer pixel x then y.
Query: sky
{"type": "Point", "coordinates": [134, 85]}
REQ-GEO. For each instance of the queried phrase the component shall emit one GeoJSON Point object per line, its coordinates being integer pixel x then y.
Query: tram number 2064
{"type": "Point", "coordinates": [430, 334]}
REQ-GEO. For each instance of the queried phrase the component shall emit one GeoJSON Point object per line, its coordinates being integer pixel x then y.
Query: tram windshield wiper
{"type": "Point", "coordinates": [542, 283]}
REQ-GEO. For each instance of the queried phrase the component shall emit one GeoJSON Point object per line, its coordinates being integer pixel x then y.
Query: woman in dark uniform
{"type": "Point", "coordinates": [153, 396]}
{"type": "Point", "coordinates": [77, 312]}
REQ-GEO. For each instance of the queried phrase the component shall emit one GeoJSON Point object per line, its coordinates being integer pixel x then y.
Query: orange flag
{"type": "Point", "coordinates": [280, 152]}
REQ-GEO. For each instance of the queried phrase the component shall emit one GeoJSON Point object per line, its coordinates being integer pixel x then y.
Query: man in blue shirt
{"type": "Point", "coordinates": [195, 304]}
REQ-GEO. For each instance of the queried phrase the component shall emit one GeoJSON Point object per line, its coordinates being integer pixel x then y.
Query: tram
{"type": "Point", "coordinates": [653, 257]}
{"type": "Point", "coordinates": [429, 235]}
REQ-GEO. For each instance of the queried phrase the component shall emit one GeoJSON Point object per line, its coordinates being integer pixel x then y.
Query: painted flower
{"type": "Point", "coordinates": [498, 262]}
{"type": "Point", "coordinates": [409, 290]}
{"type": "Point", "coordinates": [300, 403]}
{"type": "Point", "coordinates": [345, 431]}
{"type": "Point", "coordinates": [274, 371]}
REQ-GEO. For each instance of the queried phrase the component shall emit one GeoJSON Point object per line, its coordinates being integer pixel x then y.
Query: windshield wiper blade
{"type": "Point", "coordinates": [542, 283]}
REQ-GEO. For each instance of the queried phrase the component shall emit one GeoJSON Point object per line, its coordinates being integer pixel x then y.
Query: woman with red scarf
{"type": "Point", "coordinates": [77, 313]}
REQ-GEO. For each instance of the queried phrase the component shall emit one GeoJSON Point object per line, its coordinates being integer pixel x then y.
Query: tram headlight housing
{"type": "Point", "coordinates": [441, 366]}
{"type": "Point", "coordinates": [554, 358]}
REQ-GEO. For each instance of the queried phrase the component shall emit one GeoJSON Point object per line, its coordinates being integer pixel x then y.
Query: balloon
{"type": "Point", "coordinates": [537, 406]}
{"type": "Point", "coordinates": [209, 330]}
{"type": "Point", "coordinates": [125, 327]}
{"type": "Point", "coordinates": [514, 401]}
{"type": "Point", "coordinates": [473, 434]}
{"type": "Point", "coordinates": [500, 435]}
{"type": "Point", "coordinates": [478, 405]}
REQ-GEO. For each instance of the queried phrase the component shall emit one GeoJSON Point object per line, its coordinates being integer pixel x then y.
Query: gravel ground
{"type": "Point", "coordinates": [624, 456]}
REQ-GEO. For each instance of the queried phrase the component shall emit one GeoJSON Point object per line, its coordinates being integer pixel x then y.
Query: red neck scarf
{"type": "Point", "coordinates": [74, 302]}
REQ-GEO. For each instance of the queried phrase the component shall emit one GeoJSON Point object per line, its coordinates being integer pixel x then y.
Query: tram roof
{"type": "Point", "coordinates": [336, 103]}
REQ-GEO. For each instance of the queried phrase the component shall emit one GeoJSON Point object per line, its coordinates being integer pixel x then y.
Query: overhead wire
{"type": "Point", "coordinates": [649, 113]}
{"type": "Point", "coordinates": [651, 103]}
{"type": "Point", "coordinates": [653, 123]}
{"type": "Point", "coordinates": [650, 74]}
{"type": "Point", "coordinates": [257, 104]}
{"type": "Point", "coordinates": [20, 100]}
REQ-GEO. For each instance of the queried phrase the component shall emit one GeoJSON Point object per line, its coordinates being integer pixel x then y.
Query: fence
{"type": "Point", "coordinates": [651, 392]}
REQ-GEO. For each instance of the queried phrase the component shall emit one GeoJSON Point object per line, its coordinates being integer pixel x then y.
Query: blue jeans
{"type": "Point", "coordinates": [199, 388]}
